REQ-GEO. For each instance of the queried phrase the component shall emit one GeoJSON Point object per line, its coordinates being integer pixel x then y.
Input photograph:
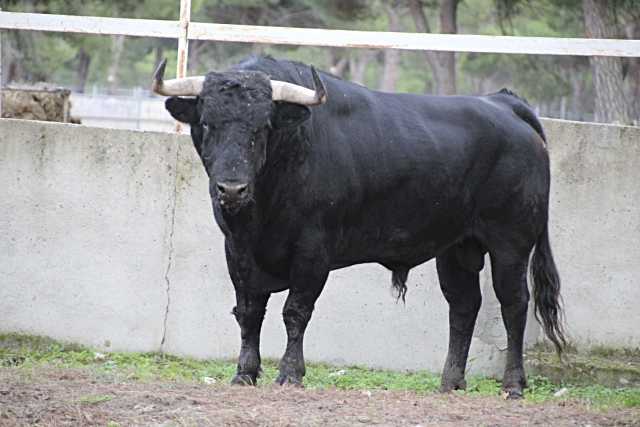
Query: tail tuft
{"type": "Point", "coordinates": [546, 292]}
{"type": "Point", "coordinates": [399, 282]}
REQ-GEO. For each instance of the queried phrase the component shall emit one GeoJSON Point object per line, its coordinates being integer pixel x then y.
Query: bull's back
{"type": "Point", "coordinates": [409, 171]}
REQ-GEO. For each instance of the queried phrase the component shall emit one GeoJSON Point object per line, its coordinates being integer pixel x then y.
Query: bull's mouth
{"type": "Point", "coordinates": [233, 206]}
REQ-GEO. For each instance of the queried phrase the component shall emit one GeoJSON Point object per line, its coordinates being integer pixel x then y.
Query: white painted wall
{"type": "Point", "coordinates": [103, 230]}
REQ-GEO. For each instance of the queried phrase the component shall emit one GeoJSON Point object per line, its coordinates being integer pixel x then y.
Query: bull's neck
{"type": "Point", "coordinates": [284, 169]}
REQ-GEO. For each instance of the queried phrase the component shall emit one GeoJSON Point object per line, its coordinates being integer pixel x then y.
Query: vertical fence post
{"type": "Point", "coordinates": [0, 71]}
{"type": "Point", "coordinates": [183, 44]}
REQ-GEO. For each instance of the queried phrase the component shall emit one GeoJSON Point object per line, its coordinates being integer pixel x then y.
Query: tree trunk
{"type": "Point", "coordinates": [117, 46]}
{"type": "Point", "coordinates": [633, 75]}
{"type": "Point", "coordinates": [82, 70]}
{"type": "Point", "coordinates": [338, 62]}
{"type": "Point", "coordinates": [196, 47]}
{"type": "Point", "coordinates": [448, 25]}
{"type": "Point", "coordinates": [611, 103]}
{"type": "Point", "coordinates": [577, 107]}
{"type": "Point", "coordinates": [391, 56]}
{"type": "Point", "coordinates": [358, 65]}
{"type": "Point", "coordinates": [442, 64]}
{"type": "Point", "coordinates": [13, 55]}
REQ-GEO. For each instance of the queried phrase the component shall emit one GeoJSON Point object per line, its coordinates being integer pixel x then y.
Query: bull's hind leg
{"type": "Point", "coordinates": [510, 283]}
{"type": "Point", "coordinates": [461, 288]}
{"type": "Point", "coordinates": [249, 312]}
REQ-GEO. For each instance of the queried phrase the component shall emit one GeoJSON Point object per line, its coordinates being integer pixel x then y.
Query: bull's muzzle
{"type": "Point", "coordinates": [232, 195]}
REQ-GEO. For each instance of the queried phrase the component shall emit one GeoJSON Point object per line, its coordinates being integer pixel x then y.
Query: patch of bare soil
{"type": "Point", "coordinates": [63, 397]}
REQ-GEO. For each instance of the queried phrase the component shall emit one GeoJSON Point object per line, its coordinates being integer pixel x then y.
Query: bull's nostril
{"type": "Point", "coordinates": [232, 190]}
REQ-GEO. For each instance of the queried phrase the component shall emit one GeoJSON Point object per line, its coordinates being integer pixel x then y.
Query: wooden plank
{"type": "Point", "coordinates": [415, 41]}
{"type": "Point", "coordinates": [323, 37]}
{"type": "Point", "coordinates": [89, 25]}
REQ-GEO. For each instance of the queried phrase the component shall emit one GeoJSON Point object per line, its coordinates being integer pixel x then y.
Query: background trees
{"type": "Point", "coordinates": [605, 89]}
{"type": "Point", "coordinates": [607, 19]}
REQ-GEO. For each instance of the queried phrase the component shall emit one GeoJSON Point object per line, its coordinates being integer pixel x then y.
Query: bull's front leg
{"type": "Point", "coordinates": [251, 303]}
{"type": "Point", "coordinates": [308, 276]}
{"type": "Point", "coordinates": [249, 312]}
{"type": "Point", "coordinates": [296, 314]}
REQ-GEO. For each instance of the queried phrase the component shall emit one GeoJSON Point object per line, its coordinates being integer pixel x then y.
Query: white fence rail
{"type": "Point", "coordinates": [320, 37]}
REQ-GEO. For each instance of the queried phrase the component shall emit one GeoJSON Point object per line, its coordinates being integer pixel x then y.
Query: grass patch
{"type": "Point", "coordinates": [26, 352]}
{"type": "Point", "coordinates": [611, 367]}
{"type": "Point", "coordinates": [320, 375]}
{"type": "Point", "coordinates": [628, 354]}
{"type": "Point", "coordinates": [94, 400]}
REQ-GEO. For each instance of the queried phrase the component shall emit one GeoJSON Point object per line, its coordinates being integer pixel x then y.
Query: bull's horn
{"type": "Point", "coordinates": [188, 86]}
{"type": "Point", "coordinates": [289, 92]}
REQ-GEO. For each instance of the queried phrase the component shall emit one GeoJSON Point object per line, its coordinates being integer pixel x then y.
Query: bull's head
{"type": "Point", "coordinates": [231, 118]}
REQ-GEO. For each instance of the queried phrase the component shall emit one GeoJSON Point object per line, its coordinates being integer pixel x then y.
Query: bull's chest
{"type": "Point", "coordinates": [272, 252]}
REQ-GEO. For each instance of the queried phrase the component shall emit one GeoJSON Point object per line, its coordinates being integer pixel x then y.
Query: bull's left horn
{"type": "Point", "coordinates": [188, 86]}
{"type": "Point", "coordinates": [289, 92]}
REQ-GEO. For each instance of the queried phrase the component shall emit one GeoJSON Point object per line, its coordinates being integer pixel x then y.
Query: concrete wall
{"type": "Point", "coordinates": [595, 227]}
{"type": "Point", "coordinates": [108, 240]}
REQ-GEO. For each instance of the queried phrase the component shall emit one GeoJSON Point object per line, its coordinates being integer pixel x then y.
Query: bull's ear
{"type": "Point", "coordinates": [289, 115]}
{"type": "Point", "coordinates": [183, 109]}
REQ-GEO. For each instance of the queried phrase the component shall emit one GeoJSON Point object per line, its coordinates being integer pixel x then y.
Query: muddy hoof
{"type": "Point", "coordinates": [244, 379]}
{"type": "Point", "coordinates": [289, 380]}
{"type": "Point", "coordinates": [512, 394]}
{"type": "Point", "coordinates": [449, 386]}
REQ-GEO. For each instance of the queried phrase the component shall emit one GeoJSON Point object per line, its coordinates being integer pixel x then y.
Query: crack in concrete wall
{"type": "Point", "coordinates": [171, 249]}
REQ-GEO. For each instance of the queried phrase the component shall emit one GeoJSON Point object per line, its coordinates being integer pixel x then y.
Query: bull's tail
{"type": "Point", "coordinates": [546, 291]}
{"type": "Point", "coordinates": [399, 282]}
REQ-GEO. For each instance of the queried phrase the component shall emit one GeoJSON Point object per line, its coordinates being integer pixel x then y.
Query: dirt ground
{"type": "Point", "coordinates": [64, 397]}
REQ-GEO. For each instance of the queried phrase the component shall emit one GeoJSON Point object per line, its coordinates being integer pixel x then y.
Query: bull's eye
{"type": "Point", "coordinates": [205, 126]}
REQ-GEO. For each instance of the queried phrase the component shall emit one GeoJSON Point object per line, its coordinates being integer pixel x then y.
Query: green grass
{"type": "Point", "coordinates": [94, 400]}
{"type": "Point", "coordinates": [27, 352]}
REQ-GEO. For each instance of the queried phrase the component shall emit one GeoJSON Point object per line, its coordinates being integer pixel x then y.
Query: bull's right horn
{"type": "Point", "coordinates": [285, 91]}
{"type": "Point", "coordinates": [188, 86]}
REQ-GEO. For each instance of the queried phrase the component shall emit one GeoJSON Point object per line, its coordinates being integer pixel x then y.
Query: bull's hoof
{"type": "Point", "coordinates": [513, 386]}
{"type": "Point", "coordinates": [244, 379]}
{"type": "Point", "coordinates": [448, 386]}
{"type": "Point", "coordinates": [291, 380]}
{"type": "Point", "coordinates": [512, 394]}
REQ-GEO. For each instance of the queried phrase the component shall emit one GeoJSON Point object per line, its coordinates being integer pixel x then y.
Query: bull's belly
{"type": "Point", "coordinates": [396, 247]}
{"type": "Point", "coordinates": [398, 244]}
{"type": "Point", "coordinates": [381, 234]}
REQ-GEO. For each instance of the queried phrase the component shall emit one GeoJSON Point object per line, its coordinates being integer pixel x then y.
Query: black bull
{"type": "Point", "coordinates": [395, 179]}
